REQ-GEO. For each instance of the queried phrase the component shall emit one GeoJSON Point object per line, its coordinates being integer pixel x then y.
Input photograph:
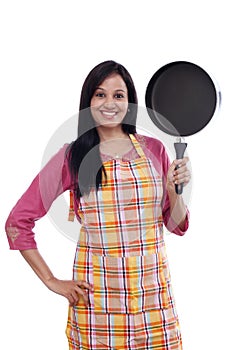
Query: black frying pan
{"type": "Point", "coordinates": [181, 99]}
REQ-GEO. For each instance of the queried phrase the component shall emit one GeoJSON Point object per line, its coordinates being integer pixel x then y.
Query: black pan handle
{"type": "Point", "coordinates": [180, 148]}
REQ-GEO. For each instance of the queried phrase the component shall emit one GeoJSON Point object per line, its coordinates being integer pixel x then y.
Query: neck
{"type": "Point", "coordinates": [107, 134]}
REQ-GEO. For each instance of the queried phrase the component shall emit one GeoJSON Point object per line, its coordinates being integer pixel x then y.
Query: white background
{"type": "Point", "coordinates": [47, 49]}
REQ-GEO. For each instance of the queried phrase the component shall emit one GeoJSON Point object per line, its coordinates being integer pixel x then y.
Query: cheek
{"type": "Point", "coordinates": [94, 106]}
{"type": "Point", "coordinates": [123, 107]}
{"type": "Point", "coordinates": [94, 113]}
{"type": "Point", "coordinates": [94, 103]}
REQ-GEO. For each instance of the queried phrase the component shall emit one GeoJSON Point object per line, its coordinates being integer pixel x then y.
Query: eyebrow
{"type": "Point", "coordinates": [100, 88]}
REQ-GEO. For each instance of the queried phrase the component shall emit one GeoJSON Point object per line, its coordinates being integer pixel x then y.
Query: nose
{"type": "Point", "coordinates": [109, 103]}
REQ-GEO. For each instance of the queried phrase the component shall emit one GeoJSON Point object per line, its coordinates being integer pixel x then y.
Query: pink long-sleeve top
{"type": "Point", "coordinates": [55, 178]}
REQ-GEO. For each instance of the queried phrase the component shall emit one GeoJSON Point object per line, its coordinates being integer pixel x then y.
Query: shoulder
{"type": "Point", "coordinates": [152, 144]}
{"type": "Point", "coordinates": [58, 156]}
{"type": "Point", "coordinates": [55, 161]}
{"type": "Point", "coordinates": [155, 150]}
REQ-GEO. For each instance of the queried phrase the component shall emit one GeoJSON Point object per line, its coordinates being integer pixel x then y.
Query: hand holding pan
{"type": "Point", "coordinates": [181, 99]}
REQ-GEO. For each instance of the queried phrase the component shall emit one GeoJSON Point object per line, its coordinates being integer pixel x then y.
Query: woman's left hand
{"type": "Point", "coordinates": [178, 173]}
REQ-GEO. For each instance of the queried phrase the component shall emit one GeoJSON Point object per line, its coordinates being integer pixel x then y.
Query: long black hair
{"type": "Point", "coordinates": [84, 159]}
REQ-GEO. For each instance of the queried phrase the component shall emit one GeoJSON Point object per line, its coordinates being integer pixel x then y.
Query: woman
{"type": "Point", "coordinates": [122, 185]}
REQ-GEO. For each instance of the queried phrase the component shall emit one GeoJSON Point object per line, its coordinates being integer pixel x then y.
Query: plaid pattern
{"type": "Point", "coordinates": [129, 285]}
{"type": "Point", "coordinates": [121, 252]}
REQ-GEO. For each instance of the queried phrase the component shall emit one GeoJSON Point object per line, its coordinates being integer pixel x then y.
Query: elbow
{"type": "Point", "coordinates": [177, 228]}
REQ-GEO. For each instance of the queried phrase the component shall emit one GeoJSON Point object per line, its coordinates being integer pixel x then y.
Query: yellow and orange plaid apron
{"type": "Point", "coordinates": [121, 252]}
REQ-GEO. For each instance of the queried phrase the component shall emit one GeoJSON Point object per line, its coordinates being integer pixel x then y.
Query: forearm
{"type": "Point", "coordinates": [178, 173]}
{"type": "Point", "coordinates": [178, 209]}
{"type": "Point", "coordinates": [70, 289]}
{"type": "Point", "coordinates": [37, 263]}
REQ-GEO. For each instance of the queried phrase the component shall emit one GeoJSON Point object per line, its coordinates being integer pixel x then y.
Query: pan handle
{"type": "Point", "coordinates": [180, 148]}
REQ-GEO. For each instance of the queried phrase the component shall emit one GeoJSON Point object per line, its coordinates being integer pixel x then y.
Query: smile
{"type": "Point", "coordinates": [108, 114]}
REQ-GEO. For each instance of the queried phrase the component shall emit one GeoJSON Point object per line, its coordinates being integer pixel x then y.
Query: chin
{"type": "Point", "coordinates": [110, 125]}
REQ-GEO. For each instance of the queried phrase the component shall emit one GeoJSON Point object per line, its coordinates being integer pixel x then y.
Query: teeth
{"type": "Point", "coordinates": [111, 114]}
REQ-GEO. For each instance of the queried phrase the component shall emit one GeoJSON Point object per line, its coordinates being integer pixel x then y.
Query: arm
{"type": "Point", "coordinates": [52, 180]}
{"type": "Point", "coordinates": [72, 290]}
{"type": "Point", "coordinates": [174, 211]}
{"type": "Point", "coordinates": [37, 263]}
{"type": "Point", "coordinates": [178, 209]}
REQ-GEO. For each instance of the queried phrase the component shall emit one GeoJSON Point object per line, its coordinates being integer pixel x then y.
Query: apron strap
{"type": "Point", "coordinates": [71, 209]}
{"type": "Point", "coordinates": [137, 145]}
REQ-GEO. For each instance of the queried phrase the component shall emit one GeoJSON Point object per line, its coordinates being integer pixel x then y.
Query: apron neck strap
{"type": "Point", "coordinates": [137, 145]}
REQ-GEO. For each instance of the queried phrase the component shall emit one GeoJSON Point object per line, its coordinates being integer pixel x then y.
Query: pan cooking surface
{"type": "Point", "coordinates": [181, 98]}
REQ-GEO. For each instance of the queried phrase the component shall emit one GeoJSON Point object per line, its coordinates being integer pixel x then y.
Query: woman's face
{"type": "Point", "coordinates": [109, 103]}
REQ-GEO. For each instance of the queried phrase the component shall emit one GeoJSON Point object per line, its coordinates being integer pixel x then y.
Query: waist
{"type": "Point", "coordinates": [121, 244]}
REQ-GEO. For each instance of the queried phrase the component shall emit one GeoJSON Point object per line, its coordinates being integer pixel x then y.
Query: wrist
{"type": "Point", "coordinates": [49, 280]}
{"type": "Point", "coordinates": [171, 191]}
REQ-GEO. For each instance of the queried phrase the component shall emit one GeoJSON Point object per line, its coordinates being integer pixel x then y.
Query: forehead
{"type": "Point", "coordinates": [113, 82]}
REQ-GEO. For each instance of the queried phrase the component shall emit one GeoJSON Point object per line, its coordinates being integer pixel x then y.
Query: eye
{"type": "Point", "coordinates": [119, 96]}
{"type": "Point", "coordinates": [99, 94]}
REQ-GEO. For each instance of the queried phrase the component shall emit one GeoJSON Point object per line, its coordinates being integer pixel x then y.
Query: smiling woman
{"type": "Point", "coordinates": [120, 296]}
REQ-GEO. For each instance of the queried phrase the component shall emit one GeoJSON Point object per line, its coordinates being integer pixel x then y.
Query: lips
{"type": "Point", "coordinates": [108, 114]}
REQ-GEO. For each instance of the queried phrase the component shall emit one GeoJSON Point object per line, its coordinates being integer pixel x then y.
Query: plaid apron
{"type": "Point", "coordinates": [121, 252]}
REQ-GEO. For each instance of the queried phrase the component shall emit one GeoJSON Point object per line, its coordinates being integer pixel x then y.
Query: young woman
{"type": "Point", "coordinates": [122, 183]}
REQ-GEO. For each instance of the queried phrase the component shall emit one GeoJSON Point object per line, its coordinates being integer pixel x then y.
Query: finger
{"type": "Point", "coordinates": [83, 294]}
{"type": "Point", "coordinates": [84, 284]}
{"type": "Point", "coordinates": [181, 168]}
{"type": "Point", "coordinates": [73, 299]}
{"type": "Point", "coordinates": [182, 174]}
{"type": "Point", "coordinates": [181, 162]}
{"type": "Point", "coordinates": [185, 180]}
{"type": "Point", "coordinates": [182, 178]}
{"type": "Point", "coordinates": [184, 171]}
{"type": "Point", "coordinates": [178, 164]}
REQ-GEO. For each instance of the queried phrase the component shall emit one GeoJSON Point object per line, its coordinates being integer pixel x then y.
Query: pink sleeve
{"type": "Point", "coordinates": [51, 181]}
{"type": "Point", "coordinates": [156, 151]}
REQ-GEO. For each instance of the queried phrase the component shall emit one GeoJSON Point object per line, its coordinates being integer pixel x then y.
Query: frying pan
{"type": "Point", "coordinates": [181, 99]}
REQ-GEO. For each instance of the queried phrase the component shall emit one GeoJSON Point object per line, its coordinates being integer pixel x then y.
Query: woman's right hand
{"type": "Point", "coordinates": [70, 289]}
